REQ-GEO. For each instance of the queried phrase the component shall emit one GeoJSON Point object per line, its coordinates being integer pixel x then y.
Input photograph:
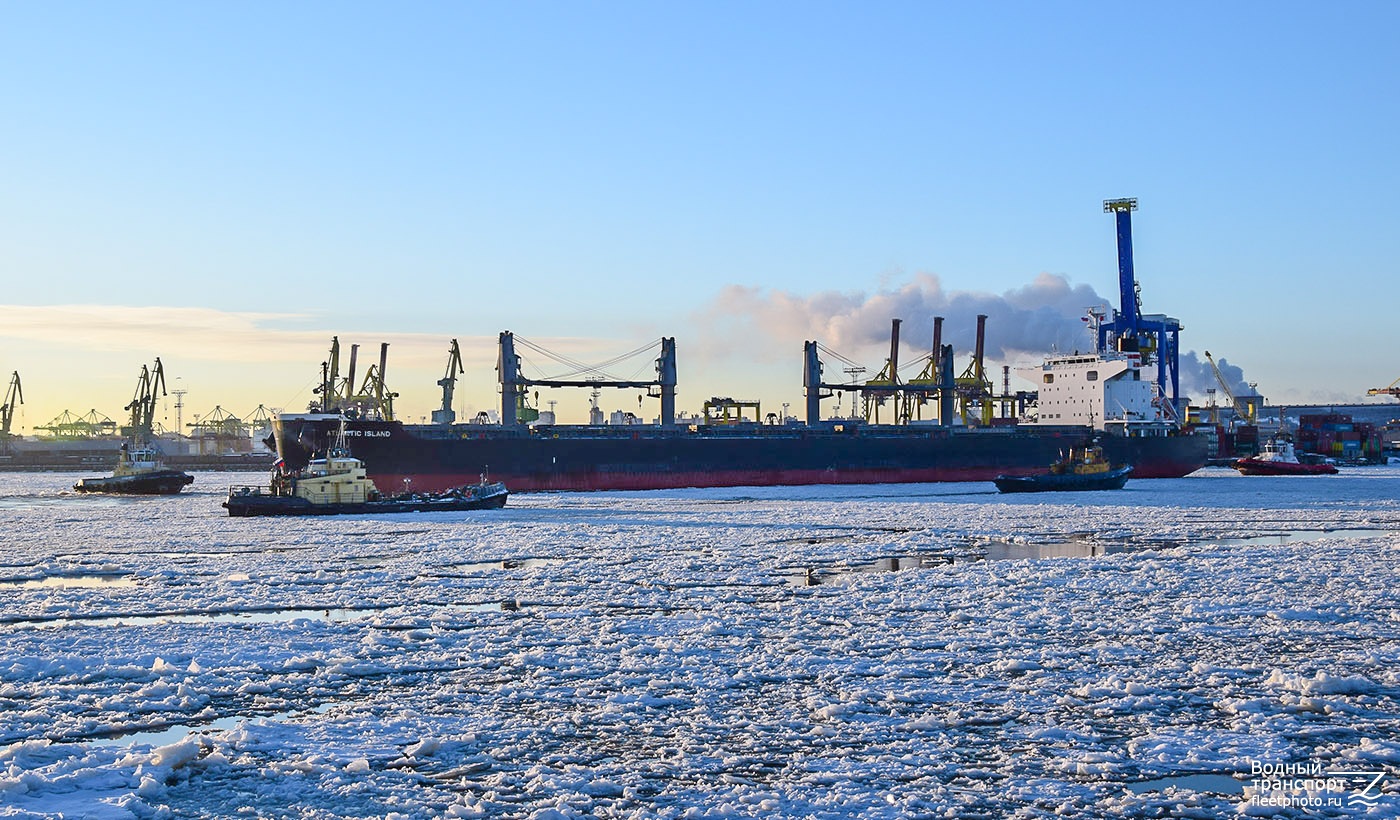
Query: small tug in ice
{"type": "Point", "coordinates": [1084, 468]}
{"type": "Point", "coordinates": [1279, 458]}
{"type": "Point", "coordinates": [338, 484]}
{"type": "Point", "coordinates": [139, 470]}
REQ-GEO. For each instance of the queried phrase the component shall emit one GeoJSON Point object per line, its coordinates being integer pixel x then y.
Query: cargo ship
{"type": "Point", "coordinates": [579, 457]}
{"type": "Point", "coordinates": [1125, 391]}
{"type": "Point", "coordinates": [718, 451]}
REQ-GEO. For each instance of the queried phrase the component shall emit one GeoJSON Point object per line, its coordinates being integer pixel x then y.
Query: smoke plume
{"type": "Point", "coordinates": [1045, 316]}
{"type": "Point", "coordinates": [1197, 378]}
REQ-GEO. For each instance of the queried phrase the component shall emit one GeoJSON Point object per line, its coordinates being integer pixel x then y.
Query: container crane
{"type": "Point", "coordinates": [1393, 390]}
{"type": "Point", "coordinates": [445, 414]}
{"type": "Point", "coordinates": [1155, 337]}
{"type": "Point", "coordinates": [7, 410]}
{"type": "Point", "coordinates": [1246, 410]}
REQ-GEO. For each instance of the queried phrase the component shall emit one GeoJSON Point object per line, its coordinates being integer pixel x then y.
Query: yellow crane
{"type": "Point", "coordinates": [1392, 390]}
{"type": "Point", "coordinates": [1243, 409]}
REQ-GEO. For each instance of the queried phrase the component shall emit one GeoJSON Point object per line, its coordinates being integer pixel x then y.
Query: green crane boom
{"type": "Point", "coordinates": [445, 414]}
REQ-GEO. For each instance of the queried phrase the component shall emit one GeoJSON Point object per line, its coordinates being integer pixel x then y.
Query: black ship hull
{"type": "Point", "coordinates": [159, 482]}
{"type": "Point", "coordinates": [1053, 482]}
{"type": "Point", "coordinates": [258, 504]}
{"type": "Point", "coordinates": [564, 458]}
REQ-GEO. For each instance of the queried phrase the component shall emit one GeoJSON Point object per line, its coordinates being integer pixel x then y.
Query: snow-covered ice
{"type": "Point", "coordinates": [748, 652]}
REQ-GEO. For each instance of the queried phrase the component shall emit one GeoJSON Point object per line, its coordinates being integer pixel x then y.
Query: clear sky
{"type": "Point", "coordinates": [227, 185]}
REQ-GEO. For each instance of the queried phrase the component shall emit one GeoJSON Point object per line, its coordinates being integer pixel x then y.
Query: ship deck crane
{"type": "Point", "coordinates": [7, 411]}
{"type": "Point", "coordinates": [514, 383]}
{"type": "Point", "coordinates": [445, 414]}
{"type": "Point", "coordinates": [935, 381]}
{"type": "Point", "coordinates": [1243, 409]}
{"type": "Point", "coordinates": [338, 395]}
{"type": "Point", "coordinates": [1393, 390]}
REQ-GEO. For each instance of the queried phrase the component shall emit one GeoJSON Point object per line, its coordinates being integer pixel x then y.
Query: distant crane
{"type": "Point", "coordinates": [1392, 390]}
{"type": "Point", "coordinates": [143, 403]}
{"type": "Point", "coordinates": [7, 411]}
{"type": "Point", "coordinates": [1245, 410]}
{"type": "Point", "coordinates": [445, 414]}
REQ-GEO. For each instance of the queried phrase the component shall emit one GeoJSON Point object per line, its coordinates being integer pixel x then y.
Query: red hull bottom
{"type": "Point", "coordinates": [1249, 467]}
{"type": "Point", "coordinates": [568, 482]}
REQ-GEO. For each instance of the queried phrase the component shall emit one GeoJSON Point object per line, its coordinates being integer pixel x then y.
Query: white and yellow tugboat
{"type": "Point", "coordinates": [338, 484]}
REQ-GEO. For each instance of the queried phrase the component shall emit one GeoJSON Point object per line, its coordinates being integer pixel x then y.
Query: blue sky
{"type": "Point", "coordinates": [227, 185]}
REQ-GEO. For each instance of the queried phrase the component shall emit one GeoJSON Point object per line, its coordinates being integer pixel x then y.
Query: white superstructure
{"type": "Point", "coordinates": [1106, 392]}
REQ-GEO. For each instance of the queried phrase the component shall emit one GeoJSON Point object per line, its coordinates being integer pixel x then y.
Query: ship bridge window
{"type": "Point", "coordinates": [1049, 378]}
{"type": "Point", "coordinates": [1091, 375]}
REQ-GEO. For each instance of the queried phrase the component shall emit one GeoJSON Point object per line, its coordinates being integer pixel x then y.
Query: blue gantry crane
{"type": "Point", "coordinates": [1155, 337]}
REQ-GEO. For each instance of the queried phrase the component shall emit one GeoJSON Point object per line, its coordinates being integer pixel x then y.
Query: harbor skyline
{"type": "Point", "coordinates": [228, 188]}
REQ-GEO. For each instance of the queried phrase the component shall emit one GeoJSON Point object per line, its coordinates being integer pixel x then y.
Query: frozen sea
{"type": "Point", "coordinates": [933, 650]}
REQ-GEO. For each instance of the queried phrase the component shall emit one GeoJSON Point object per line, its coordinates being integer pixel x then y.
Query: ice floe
{"type": "Point", "coordinates": [747, 652]}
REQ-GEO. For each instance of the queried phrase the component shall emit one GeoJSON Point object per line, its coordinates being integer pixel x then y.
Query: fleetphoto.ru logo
{"type": "Point", "coordinates": [1310, 786]}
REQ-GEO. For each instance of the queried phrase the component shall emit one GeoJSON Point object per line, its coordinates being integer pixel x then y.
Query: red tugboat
{"type": "Point", "coordinates": [1279, 458]}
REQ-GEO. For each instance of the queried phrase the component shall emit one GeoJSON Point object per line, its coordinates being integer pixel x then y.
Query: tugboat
{"type": "Point", "coordinates": [1084, 468]}
{"type": "Point", "coordinates": [1279, 458]}
{"type": "Point", "coordinates": [138, 472]}
{"type": "Point", "coordinates": [338, 484]}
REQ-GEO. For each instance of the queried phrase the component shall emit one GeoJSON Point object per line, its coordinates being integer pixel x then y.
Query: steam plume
{"type": "Point", "coordinates": [1023, 323]}
{"type": "Point", "coordinates": [1042, 316]}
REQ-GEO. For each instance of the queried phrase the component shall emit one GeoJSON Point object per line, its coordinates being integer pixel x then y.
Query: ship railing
{"type": "Point", "coordinates": [245, 491]}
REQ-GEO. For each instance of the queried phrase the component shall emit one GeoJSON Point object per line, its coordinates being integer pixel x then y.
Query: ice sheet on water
{"type": "Point", "coordinates": [654, 661]}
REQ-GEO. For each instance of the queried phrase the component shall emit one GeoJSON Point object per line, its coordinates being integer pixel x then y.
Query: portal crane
{"type": "Point", "coordinates": [7, 410]}
{"type": "Point", "coordinates": [1243, 409]}
{"type": "Point", "coordinates": [445, 414]}
{"type": "Point", "coordinates": [1392, 390]}
{"type": "Point", "coordinates": [143, 403]}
